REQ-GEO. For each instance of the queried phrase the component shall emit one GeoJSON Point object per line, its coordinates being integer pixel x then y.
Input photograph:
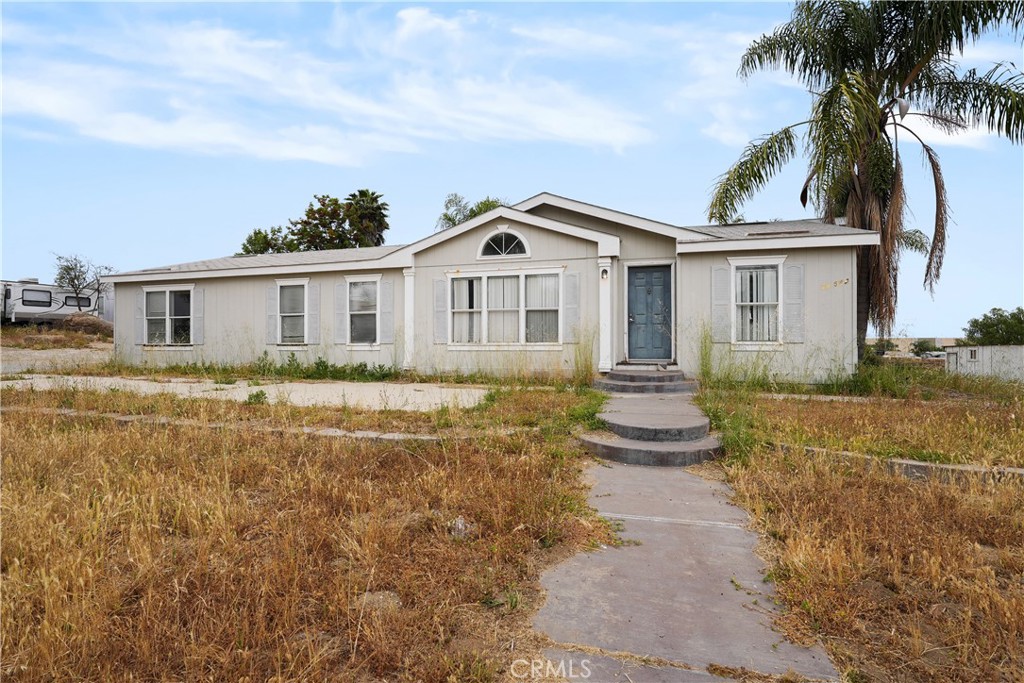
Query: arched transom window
{"type": "Point", "coordinates": [504, 243]}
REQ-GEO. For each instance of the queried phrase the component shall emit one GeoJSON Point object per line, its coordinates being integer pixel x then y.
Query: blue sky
{"type": "Point", "coordinates": [144, 134]}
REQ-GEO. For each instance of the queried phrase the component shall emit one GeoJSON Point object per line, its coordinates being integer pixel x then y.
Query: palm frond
{"type": "Point", "coordinates": [761, 160]}
{"type": "Point", "coordinates": [844, 121]}
{"type": "Point", "coordinates": [938, 249]}
{"type": "Point", "coordinates": [993, 100]}
{"type": "Point", "coordinates": [915, 241]}
{"type": "Point", "coordinates": [819, 42]}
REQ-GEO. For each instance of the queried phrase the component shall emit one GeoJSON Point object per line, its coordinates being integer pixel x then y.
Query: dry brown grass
{"type": "Point", "coordinates": [183, 553]}
{"type": "Point", "coordinates": [903, 581]}
{"type": "Point", "coordinates": [510, 408]}
{"type": "Point", "coordinates": [29, 337]}
{"type": "Point", "coordinates": [953, 431]}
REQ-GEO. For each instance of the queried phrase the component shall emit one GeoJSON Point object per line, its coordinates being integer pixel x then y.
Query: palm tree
{"type": "Point", "coordinates": [367, 218]}
{"type": "Point", "coordinates": [867, 65]}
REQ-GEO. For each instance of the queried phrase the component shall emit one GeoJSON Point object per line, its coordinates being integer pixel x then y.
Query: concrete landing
{"type": "Point", "coordinates": [657, 417]}
{"type": "Point", "coordinates": [691, 593]}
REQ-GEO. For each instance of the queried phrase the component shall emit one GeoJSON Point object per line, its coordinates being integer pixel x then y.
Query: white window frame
{"type": "Point", "coordinates": [522, 345]}
{"type": "Point", "coordinates": [291, 282]}
{"type": "Point", "coordinates": [972, 355]}
{"type": "Point", "coordinates": [736, 262]}
{"type": "Point", "coordinates": [349, 281]}
{"type": "Point", "coordinates": [167, 289]}
{"type": "Point", "coordinates": [499, 230]}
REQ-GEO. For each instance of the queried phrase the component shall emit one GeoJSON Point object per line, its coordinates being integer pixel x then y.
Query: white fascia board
{"type": "Point", "coordinates": [627, 219]}
{"type": "Point", "coordinates": [389, 262]}
{"type": "Point", "coordinates": [868, 239]}
{"type": "Point", "coordinates": [607, 245]}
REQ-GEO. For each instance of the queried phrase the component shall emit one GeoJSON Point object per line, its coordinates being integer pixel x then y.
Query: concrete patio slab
{"type": "Point", "coordinates": [374, 395]}
{"type": "Point", "coordinates": [691, 592]}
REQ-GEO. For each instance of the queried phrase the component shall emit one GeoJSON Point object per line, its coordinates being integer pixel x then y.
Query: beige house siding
{"type": "Point", "coordinates": [235, 324]}
{"type": "Point", "coordinates": [829, 317]}
{"type": "Point", "coordinates": [459, 255]}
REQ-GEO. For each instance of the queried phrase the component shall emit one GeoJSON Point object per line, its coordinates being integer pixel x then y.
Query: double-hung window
{"type": "Point", "coordinates": [541, 309]}
{"type": "Point", "coordinates": [757, 303]}
{"type": "Point", "coordinates": [362, 312]}
{"type": "Point", "coordinates": [467, 302]}
{"type": "Point", "coordinates": [292, 313]}
{"type": "Point", "coordinates": [168, 316]}
{"type": "Point", "coordinates": [505, 309]}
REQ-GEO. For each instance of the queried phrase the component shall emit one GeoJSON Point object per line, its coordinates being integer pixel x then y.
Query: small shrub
{"type": "Point", "coordinates": [257, 398]}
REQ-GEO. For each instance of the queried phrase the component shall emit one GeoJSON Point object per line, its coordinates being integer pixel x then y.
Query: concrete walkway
{"type": "Point", "coordinates": [374, 395]}
{"type": "Point", "coordinates": [686, 590]}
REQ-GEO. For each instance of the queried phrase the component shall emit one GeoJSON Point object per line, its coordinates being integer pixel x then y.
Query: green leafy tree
{"type": "Point", "coordinates": [80, 275]}
{"type": "Point", "coordinates": [367, 218]}
{"type": "Point", "coordinates": [883, 345]}
{"type": "Point", "coordinates": [998, 327]}
{"type": "Point", "coordinates": [457, 210]}
{"type": "Point", "coordinates": [328, 223]}
{"type": "Point", "coordinates": [270, 241]}
{"type": "Point", "coordinates": [922, 346]}
{"type": "Point", "coordinates": [867, 65]}
{"type": "Point", "coordinates": [323, 226]}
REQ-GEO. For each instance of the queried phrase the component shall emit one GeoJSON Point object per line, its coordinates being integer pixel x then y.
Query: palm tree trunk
{"type": "Point", "coordinates": [863, 298]}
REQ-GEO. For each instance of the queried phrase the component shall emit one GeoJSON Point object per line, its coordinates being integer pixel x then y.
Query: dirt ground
{"type": "Point", "coordinates": [13, 360]}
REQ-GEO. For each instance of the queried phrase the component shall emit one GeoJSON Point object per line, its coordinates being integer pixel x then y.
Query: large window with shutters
{"type": "Point", "coordinates": [168, 316]}
{"type": "Point", "coordinates": [757, 302]}
{"type": "Point", "coordinates": [506, 308]}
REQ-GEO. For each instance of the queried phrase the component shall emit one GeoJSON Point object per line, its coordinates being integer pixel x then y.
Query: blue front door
{"type": "Point", "coordinates": [650, 313]}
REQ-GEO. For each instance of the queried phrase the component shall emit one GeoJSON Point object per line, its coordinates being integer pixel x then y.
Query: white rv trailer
{"type": "Point", "coordinates": [28, 301]}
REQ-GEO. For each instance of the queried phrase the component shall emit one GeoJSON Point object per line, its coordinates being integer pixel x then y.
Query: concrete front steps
{"type": "Point", "coordinates": [653, 422]}
{"type": "Point", "coordinates": [645, 381]}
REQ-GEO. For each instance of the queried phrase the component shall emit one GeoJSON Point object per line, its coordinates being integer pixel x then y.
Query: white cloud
{"type": "Point", "coordinates": [211, 89]}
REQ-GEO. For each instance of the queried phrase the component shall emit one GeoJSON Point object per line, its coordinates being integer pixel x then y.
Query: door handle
{"type": "Point", "coordinates": [631, 318]}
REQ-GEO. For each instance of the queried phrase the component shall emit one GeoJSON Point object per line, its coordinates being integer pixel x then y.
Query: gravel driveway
{"type": "Point", "coordinates": [13, 360]}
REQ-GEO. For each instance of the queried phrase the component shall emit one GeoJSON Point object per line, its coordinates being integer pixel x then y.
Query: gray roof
{"type": "Point", "coordinates": [775, 229]}
{"type": "Point", "coordinates": [297, 258]}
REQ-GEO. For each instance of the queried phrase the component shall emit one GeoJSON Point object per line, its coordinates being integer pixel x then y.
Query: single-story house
{"type": "Point", "coordinates": [541, 286]}
{"type": "Point", "coordinates": [1006, 362]}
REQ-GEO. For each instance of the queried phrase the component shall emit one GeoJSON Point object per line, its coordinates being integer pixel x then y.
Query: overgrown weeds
{"type": "Point", "coordinates": [913, 379]}
{"type": "Point", "coordinates": [902, 580]}
{"type": "Point", "coordinates": [31, 337]}
{"type": "Point", "coordinates": [183, 552]}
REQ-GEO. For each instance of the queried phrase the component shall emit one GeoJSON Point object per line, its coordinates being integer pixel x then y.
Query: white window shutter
{"type": "Point", "coordinates": [571, 308]}
{"type": "Point", "coordinates": [440, 311]}
{"type": "Point", "coordinates": [793, 304]}
{"type": "Point", "coordinates": [140, 316]}
{"type": "Point", "coordinates": [341, 313]}
{"type": "Point", "coordinates": [721, 306]}
{"type": "Point", "coordinates": [198, 316]}
{"type": "Point", "coordinates": [272, 314]}
{"type": "Point", "coordinates": [313, 319]}
{"type": "Point", "coordinates": [386, 298]}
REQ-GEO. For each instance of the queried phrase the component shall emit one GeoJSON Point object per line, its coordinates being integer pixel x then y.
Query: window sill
{"type": "Point", "coordinates": [362, 347]}
{"type": "Point", "coordinates": [167, 347]}
{"type": "Point", "coordinates": [505, 347]}
{"type": "Point", "coordinates": [757, 346]}
{"type": "Point", "coordinates": [291, 347]}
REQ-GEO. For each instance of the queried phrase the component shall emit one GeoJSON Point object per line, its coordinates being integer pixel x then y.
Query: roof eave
{"type": "Point", "coordinates": [869, 238]}
{"type": "Point", "coordinates": [389, 262]}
